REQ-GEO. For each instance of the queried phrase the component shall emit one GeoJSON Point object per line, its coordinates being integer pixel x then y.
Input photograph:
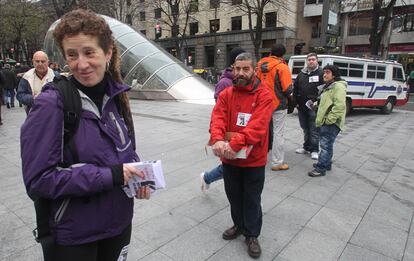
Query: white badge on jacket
{"type": "Point", "coordinates": [314, 78]}
{"type": "Point", "coordinates": [243, 119]}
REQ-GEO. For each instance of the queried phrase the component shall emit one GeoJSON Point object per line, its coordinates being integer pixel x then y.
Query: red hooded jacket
{"type": "Point", "coordinates": [234, 103]}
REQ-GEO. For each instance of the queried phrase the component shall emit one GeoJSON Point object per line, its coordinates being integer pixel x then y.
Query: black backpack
{"type": "Point", "coordinates": [72, 107]}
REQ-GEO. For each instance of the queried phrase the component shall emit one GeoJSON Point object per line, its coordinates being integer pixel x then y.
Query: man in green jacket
{"type": "Point", "coordinates": [330, 117]}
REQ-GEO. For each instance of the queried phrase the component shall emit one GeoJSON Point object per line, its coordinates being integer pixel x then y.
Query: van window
{"type": "Point", "coordinates": [298, 66]}
{"type": "Point", "coordinates": [350, 69]}
{"type": "Point", "coordinates": [376, 72]}
{"type": "Point", "coordinates": [397, 74]}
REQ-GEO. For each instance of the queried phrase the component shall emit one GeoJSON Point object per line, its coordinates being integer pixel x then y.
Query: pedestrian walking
{"type": "Point", "coordinates": [240, 120]}
{"type": "Point", "coordinates": [9, 85]}
{"type": "Point", "coordinates": [90, 214]}
{"type": "Point", "coordinates": [330, 117]}
{"type": "Point", "coordinates": [305, 91]}
{"type": "Point", "coordinates": [226, 80]}
{"type": "Point", "coordinates": [274, 72]}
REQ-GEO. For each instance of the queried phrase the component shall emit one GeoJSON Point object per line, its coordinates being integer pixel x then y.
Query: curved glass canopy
{"type": "Point", "coordinates": [147, 68]}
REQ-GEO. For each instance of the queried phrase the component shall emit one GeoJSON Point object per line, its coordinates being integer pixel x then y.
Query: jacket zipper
{"type": "Point", "coordinates": [120, 132]}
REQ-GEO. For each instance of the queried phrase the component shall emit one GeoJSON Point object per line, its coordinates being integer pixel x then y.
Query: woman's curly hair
{"type": "Point", "coordinates": [86, 22]}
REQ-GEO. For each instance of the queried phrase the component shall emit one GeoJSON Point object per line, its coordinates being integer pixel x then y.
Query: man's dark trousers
{"type": "Point", "coordinates": [307, 120]}
{"type": "Point", "coordinates": [244, 186]}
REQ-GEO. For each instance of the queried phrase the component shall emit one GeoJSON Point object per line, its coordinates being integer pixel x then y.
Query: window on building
{"type": "Point", "coordinates": [270, 19]}
{"type": "Point", "coordinates": [128, 2]}
{"type": "Point", "coordinates": [193, 28]}
{"type": "Point", "coordinates": [236, 23]}
{"type": "Point", "coordinates": [359, 26]}
{"type": "Point", "coordinates": [397, 74]}
{"type": "Point", "coordinates": [350, 69]}
{"type": "Point", "coordinates": [310, 2]}
{"type": "Point", "coordinates": [144, 32]}
{"type": "Point", "coordinates": [268, 43]}
{"type": "Point", "coordinates": [376, 72]}
{"type": "Point", "coordinates": [193, 6]}
{"type": "Point", "coordinates": [236, 2]}
{"type": "Point", "coordinates": [209, 54]}
{"type": "Point", "coordinates": [175, 30]}
{"type": "Point", "coordinates": [408, 22]}
{"type": "Point", "coordinates": [316, 30]}
{"type": "Point", "coordinates": [298, 66]}
{"type": "Point", "coordinates": [142, 16]}
{"type": "Point", "coordinates": [214, 25]}
{"type": "Point", "coordinates": [141, 1]}
{"type": "Point", "coordinates": [129, 19]}
{"type": "Point", "coordinates": [175, 9]}
{"type": "Point", "coordinates": [157, 13]}
{"type": "Point", "coordinates": [214, 3]}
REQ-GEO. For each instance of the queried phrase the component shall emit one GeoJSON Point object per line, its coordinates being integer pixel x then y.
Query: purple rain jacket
{"type": "Point", "coordinates": [86, 206]}
{"type": "Point", "coordinates": [225, 81]}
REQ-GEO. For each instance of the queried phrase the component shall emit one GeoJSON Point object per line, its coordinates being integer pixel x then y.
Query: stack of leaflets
{"type": "Point", "coordinates": [154, 177]}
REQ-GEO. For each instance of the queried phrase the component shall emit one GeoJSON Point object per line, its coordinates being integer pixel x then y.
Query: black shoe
{"type": "Point", "coordinates": [8, 105]}
{"type": "Point", "coordinates": [20, 105]}
{"type": "Point", "coordinates": [253, 247]}
{"type": "Point", "coordinates": [231, 233]}
{"type": "Point", "coordinates": [328, 169]}
{"type": "Point", "coordinates": [1, 123]}
{"type": "Point", "coordinates": [316, 173]}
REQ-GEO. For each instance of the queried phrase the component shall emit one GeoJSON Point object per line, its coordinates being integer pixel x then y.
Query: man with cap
{"type": "Point", "coordinates": [330, 117]}
{"type": "Point", "coordinates": [226, 80]}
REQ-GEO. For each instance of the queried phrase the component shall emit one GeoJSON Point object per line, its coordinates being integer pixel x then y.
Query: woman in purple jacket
{"type": "Point", "coordinates": [90, 214]}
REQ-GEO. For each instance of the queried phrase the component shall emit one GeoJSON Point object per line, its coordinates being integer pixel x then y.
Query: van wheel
{"type": "Point", "coordinates": [348, 108]}
{"type": "Point", "coordinates": [388, 107]}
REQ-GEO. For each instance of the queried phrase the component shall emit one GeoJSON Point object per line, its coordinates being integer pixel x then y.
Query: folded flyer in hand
{"type": "Point", "coordinates": [154, 177]}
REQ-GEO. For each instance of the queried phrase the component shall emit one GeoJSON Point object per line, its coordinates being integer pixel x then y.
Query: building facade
{"type": "Point", "coordinates": [354, 27]}
{"type": "Point", "coordinates": [215, 27]}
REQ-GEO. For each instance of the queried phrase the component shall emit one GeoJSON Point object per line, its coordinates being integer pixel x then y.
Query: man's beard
{"type": "Point", "coordinates": [242, 81]}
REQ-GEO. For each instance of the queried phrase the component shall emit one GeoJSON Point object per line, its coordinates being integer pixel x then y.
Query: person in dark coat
{"type": "Point", "coordinates": [9, 85]}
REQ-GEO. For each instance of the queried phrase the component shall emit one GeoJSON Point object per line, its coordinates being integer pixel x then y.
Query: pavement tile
{"type": "Point", "coordinates": [390, 211]}
{"type": "Point", "coordinates": [163, 228]}
{"type": "Point", "coordinates": [294, 210]}
{"type": "Point", "coordinates": [203, 206]}
{"type": "Point", "coordinates": [372, 234]}
{"type": "Point", "coordinates": [196, 244]}
{"type": "Point", "coordinates": [409, 251]}
{"type": "Point", "coordinates": [334, 223]}
{"type": "Point", "coordinates": [357, 253]}
{"type": "Point", "coordinates": [156, 256]}
{"type": "Point", "coordinates": [221, 220]}
{"type": "Point", "coordinates": [312, 245]}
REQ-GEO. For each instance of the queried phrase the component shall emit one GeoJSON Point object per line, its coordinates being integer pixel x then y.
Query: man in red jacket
{"type": "Point", "coordinates": [240, 121]}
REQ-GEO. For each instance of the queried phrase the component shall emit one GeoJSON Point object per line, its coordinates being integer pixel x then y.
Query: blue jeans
{"type": "Point", "coordinates": [9, 96]}
{"type": "Point", "coordinates": [214, 174]}
{"type": "Point", "coordinates": [311, 133]}
{"type": "Point", "coordinates": [327, 137]}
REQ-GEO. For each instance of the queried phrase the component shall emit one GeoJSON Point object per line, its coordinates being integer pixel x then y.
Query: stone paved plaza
{"type": "Point", "coordinates": [362, 210]}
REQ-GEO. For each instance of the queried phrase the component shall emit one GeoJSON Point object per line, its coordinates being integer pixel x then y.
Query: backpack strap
{"type": "Point", "coordinates": [72, 107]}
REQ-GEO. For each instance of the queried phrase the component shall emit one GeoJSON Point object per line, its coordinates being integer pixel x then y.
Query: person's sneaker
{"type": "Point", "coordinates": [316, 173]}
{"type": "Point", "coordinates": [314, 155]}
{"type": "Point", "coordinates": [253, 247]}
{"type": "Point", "coordinates": [231, 233]}
{"type": "Point", "coordinates": [302, 151]}
{"type": "Point", "coordinates": [204, 185]}
{"type": "Point", "coordinates": [278, 167]}
{"type": "Point", "coordinates": [328, 169]}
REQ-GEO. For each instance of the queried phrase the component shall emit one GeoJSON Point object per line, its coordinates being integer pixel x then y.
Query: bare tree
{"type": "Point", "coordinates": [176, 15]}
{"type": "Point", "coordinates": [378, 30]}
{"type": "Point", "coordinates": [254, 9]}
{"type": "Point", "coordinates": [20, 19]}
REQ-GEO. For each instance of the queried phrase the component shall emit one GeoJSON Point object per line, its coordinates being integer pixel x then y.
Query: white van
{"type": "Point", "coordinates": [371, 83]}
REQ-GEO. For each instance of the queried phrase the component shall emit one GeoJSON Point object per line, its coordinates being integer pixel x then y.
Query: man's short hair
{"type": "Point", "coordinates": [278, 50]}
{"type": "Point", "coordinates": [312, 54]}
{"type": "Point", "coordinates": [246, 57]}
